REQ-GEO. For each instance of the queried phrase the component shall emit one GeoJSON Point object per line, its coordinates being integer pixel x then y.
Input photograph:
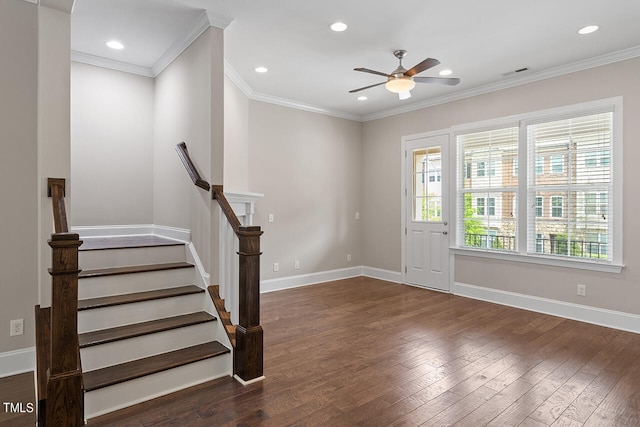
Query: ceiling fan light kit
{"type": "Point", "coordinates": [401, 80]}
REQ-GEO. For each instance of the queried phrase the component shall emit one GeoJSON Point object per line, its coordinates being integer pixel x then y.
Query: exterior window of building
{"type": "Point", "coordinates": [480, 206]}
{"type": "Point", "coordinates": [557, 164]}
{"type": "Point", "coordinates": [577, 146]}
{"type": "Point", "coordinates": [556, 206]}
{"type": "Point", "coordinates": [467, 170]}
{"type": "Point", "coordinates": [539, 165]}
{"type": "Point", "coordinates": [539, 206]}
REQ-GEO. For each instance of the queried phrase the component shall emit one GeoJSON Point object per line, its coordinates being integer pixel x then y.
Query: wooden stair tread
{"type": "Point", "coordinates": [116, 374]}
{"type": "Point", "coordinates": [133, 269]}
{"type": "Point", "coordinates": [122, 242]}
{"type": "Point", "coordinates": [109, 301]}
{"type": "Point", "coordinates": [104, 336]}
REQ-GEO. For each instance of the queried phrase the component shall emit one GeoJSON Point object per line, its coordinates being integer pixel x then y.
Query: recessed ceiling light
{"type": "Point", "coordinates": [445, 72]}
{"type": "Point", "coordinates": [362, 98]}
{"type": "Point", "coordinates": [114, 44]}
{"type": "Point", "coordinates": [338, 26]}
{"type": "Point", "coordinates": [261, 69]}
{"type": "Point", "coordinates": [588, 29]}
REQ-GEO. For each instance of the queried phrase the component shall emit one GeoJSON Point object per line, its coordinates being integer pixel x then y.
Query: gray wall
{"type": "Point", "coordinates": [18, 171]}
{"type": "Point", "coordinates": [381, 173]}
{"type": "Point", "coordinates": [111, 146]}
{"type": "Point", "coordinates": [236, 138]}
{"type": "Point", "coordinates": [189, 107]}
{"type": "Point", "coordinates": [309, 168]}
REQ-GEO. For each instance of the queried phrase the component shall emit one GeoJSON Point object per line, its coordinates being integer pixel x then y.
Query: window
{"type": "Point", "coordinates": [481, 201]}
{"type": "Point", "coordinates": [539, 207]}
{"type": "Point", "coordinates": [480, 206]}
{"type": "Point", "coordinates": [569, 161]}
{"type": "Point", "coordinates": [556, 206]}
{"type": "Point", "coordinates": [467, 170]}
{"type": "Point", "coordinates": [539, 165]}
{"type": "Point", "coordinates": [539, 243]}
{"type": "Point", "coordinates": [557, 164]}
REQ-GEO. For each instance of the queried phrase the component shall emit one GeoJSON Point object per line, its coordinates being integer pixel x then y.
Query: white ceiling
{"type": "Point", "coordinates": [483, 42]}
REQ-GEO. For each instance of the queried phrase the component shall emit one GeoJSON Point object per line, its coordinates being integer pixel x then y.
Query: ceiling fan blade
{"type": "Point", "coordinates": [437, 80]}
{"type": "Point", "coordinates": [366, 87]}
{"type": "Point", "coordinates": [366, 70]}
{"type": "Point", "coordinates": [424, 65]}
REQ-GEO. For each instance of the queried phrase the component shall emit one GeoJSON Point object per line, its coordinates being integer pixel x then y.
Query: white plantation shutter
{"type": "Point", "coordinates": [571, 159]}
{"type": "Point", "coordinates": [487, 188]}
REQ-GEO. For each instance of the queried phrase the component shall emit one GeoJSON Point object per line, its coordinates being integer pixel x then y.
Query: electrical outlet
{"type": "Point", "coordinates": [296, 264]}
{"type": "Point", "coordinates": [357, 215]}
{"type": "Point", "coordinates": [582, 290]}
{"type": "Point", "coordinates": [270, 217]}
{"type": "Point", "coordinates": [276, 267]}
{"type": "Point", "coordinates": [348, 257]}
{"type": "Point", "coordinates": [17, 327]}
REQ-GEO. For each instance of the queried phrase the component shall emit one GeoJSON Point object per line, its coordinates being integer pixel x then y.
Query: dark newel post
{"type": "Point", "coordinates": [248, 358]}
{"type": "Point", "coordinates": [64, 386]}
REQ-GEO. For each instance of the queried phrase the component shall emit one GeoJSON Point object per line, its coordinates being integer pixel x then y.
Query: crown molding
{"type": "Point", "coordinates": [257, 96]}
{"type": "Point", "coordinates": [586, 64]}
{"type": "Point", "coordinates": [65, 6]}
{"type": "Point", "coordinates": [199, 26]}
{"type": "Point", "coordinates": [111, 64]}
{"type": "Point", "coordinates": [217, 20]}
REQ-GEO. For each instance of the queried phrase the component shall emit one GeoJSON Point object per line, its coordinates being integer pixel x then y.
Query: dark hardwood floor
{"type": "Point", "coordinates": [19, 391]}
{"type": "Point", "coordinates": [363, 352]}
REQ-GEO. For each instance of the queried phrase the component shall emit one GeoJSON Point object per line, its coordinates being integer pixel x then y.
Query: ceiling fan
{"type": "Point", "coordinates": [401, 81]}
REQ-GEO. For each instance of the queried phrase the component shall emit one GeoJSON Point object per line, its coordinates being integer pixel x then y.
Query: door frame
{"type": "Point", "coordinates": [450, 194]}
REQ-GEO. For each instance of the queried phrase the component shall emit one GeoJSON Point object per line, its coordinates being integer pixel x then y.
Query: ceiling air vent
{"type": "Point", "coordinates": [518, 71]}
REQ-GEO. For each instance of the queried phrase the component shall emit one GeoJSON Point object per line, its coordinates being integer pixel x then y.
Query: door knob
{"type": "Point", "coordinates": [445, 232]}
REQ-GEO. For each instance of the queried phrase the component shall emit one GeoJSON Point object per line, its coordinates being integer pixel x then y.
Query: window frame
{"type": "Point", "coordinates": [526, 212]}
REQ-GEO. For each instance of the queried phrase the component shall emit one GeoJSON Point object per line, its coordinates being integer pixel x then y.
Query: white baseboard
{"type": "Point", "coordinates": [181, 234]}
{"type": "Point", "coordinates": [289, 282]}
{"type": "Point", "coordinates": [597, 316]}
{"type": "Point", "coordinates": [378, 273]}
{"type": "Point", "coordinates": [17, 362]}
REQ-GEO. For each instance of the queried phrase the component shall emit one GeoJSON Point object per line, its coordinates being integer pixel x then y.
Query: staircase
{"type": "Point", "coordinates": [144, 327]}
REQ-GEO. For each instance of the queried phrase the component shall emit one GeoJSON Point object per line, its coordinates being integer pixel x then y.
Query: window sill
{"type": "Point", "coordinates": [542, 260]}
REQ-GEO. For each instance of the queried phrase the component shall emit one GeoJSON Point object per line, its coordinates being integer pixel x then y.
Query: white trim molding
{"type": "Point", "coordinates": [583, 313]}
{"type": "Point", "coordinates": [193, 257]}
{"type": "Point", "coordinates": [290, 282]}
{"type": "Point", "coordinates": [17, 361]}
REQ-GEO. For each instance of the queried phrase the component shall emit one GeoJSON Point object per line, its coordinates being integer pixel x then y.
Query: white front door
{"type": "Point", "coordinates": [427, 211]}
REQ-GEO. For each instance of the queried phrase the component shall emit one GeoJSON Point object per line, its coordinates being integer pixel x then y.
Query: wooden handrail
{"type": "Point", "coordinates": [248, 354]}
{"type": "Point", "coordinates": [55, 190]}
{"type": "Point", "coordinates": [181, 149]}
{"type": "Point", "coordinates": [218, 195]}
{"type": "Point", "coordinates": [64, 396]}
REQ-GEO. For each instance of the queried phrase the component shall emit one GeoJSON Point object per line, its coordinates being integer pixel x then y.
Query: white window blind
{"type": "Point", "coordinates": [576, 185]}
{"type": "Point", "coordinates": [487, 195]}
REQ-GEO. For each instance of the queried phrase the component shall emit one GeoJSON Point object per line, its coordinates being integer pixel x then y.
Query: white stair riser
{"type": "Point", "coordinates": [108, 399]}
{"type": "Point", "coordinates": [113, 353]}
{"type": "Point", "coordinates": [119, 315]}
{"type": "Point", "coordinates": [95, 287]}
{"type": "Point", "coordinates": [108, 258]}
